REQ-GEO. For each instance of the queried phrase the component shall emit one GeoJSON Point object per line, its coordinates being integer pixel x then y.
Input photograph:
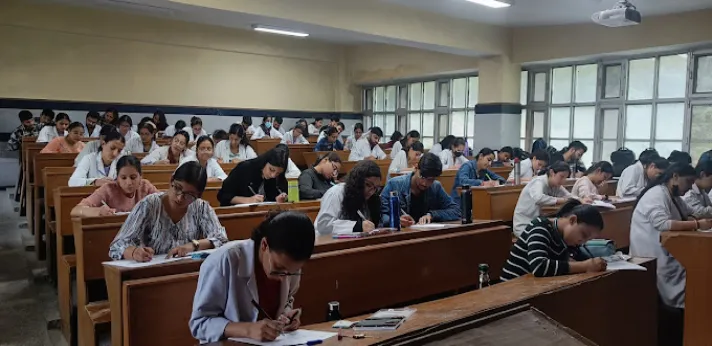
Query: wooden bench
{"type": "Point", "coordinates": [296, 153]}
{"type": "Point", "coordinates": [446, 179]}
{"type": "Point", "coordinates": [264, 145]}
{"type": "Point", "coordinates": [347, 166]}
{"type": "Point", "coordinates": [30, 150]}
{"type": "Point", "coordinates": [41, 161]}
{"type": "Point", "coordinates": [616, 222]}
{"type": "Point", "coordinates": [310, 156]}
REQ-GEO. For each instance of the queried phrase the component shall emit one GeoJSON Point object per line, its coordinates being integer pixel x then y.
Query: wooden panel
{"type": "Point", "coordinates": [264, 145]}
{"type": "Point", "coordinates": [296, 153]}
{"type": "Point", "coordinates": [446, 179]}
{"type": "Point", "coordinates": [616, 222]}
{"type": "Point", "coordinates": [347, 166]}
{"type": "Point", "coordinates": [310, 156]}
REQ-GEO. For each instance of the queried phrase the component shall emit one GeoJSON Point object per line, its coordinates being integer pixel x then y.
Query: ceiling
{"type": "Point", "coordinates": [545, 12]}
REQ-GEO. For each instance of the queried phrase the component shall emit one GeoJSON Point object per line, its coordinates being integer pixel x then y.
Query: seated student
{"type": "Point", "coordinates": [476, 173]}
{"type": "Point", "coordinates": [277, 124]}
{"type": "Point", "coordinates": [443, 144]}
{"type": "Point", "coordinates": [410, 138]}
{"type": "Point", "coordinates": [541, 191]}
{"type": "Point", "coordinates": [636, 176]}
{"type": "Point", "coordinates": [593, 181]}
{"type": "Point", "coordinates": [145, 142]}
{"type": "Point", "coordinates": [530, 167]}
{"type": "Point", "coordinates": [421, 195]}
{"type": "Point", "coordinates": [175, 222]}
{"type": "Point", "coordinates": [367, 147]}
{"type": "Point", "coordinates": [330, 142]}
{"type": "Point", "coordinates": [315, 126]}
{"type": "Point", "coordinates": [265, 130]}
{"type": "Point", "coordinates": [196, 130]}
{"type": "Point", "coordinates": [314, 181]}
{"type": "Point", "coordinates": [677, 156]}
{"type": "Point", "coordinates": [125, 125]}
{"type": "Point", "coordinates": [99, 168]}
{"type": "Point", "coordinates": [504, 157]}
{"type": "Point", "coordinates": [170, 154]}
{"type": "Point", "coordinates": [453, 157]}
{"type": "Point", "coordinates": [551, 246]}
{"type": "Point", "coordinates": [59, 129]}
{"type": "Point", "coordinates": [660, 208]}
{"type": "Point", "coordinates": [351, 140]}
{"type": "Point", "coordinates": [261, 179]}
{"type": "Point", "coordinates": [46, 118]}
{"type": "Point", "coordinates": [204, 156]}
{"type": "Point", "coordinates": [237, 148]}
{"type": "Point", "coordinates": [303, 121]}
{"type": "Point", "coordinates": [697, 198]}
{"type": "Point", "coordinates": [219, 135]}
{"type": "Point", "coordinates": [70, 143]}
{"type": "Point", "coordinates": [159, 119]}
{"type": "Point", "coordinates": [356, 201]}
{"type": "Point", "coordinates": [395, 137]}
{"type": "Point", "coordinates": [572, 155]}
{"type": "Point", "coordinates": [94, 146]}
{"type": "Point", "coordinates": [295, 135]}
{"type": "Point", "coordinates": [339, 128]}
{"type": "Point", "coordinates": [172, 129]}
{"type": "Point", "coordinates": [27, 128]}
{"type": "Point", "coordinates": [407, 158]}
{"type": "Point", "coordinates": [121, 195]}
{"type": "Point", "coordinates": [265, 268]}
{"type": "Point", "coordinates": [110, 117]}
{"type": "Point", "coordinates": [92, 127]}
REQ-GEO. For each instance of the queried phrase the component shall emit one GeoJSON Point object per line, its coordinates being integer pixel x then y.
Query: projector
{"type": "Point", "coordinates": [623, 14]}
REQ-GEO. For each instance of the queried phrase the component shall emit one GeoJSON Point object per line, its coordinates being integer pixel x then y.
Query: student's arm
{"type": "Point", "coordinates": [152, 157]}
{"type": "Point", "coordinates": [302, 140]}
{"type": "Point", "coordinates": [445, 159]}
{"type": "Point", "coordinates": [15, 140]}
{"type": "Point", "coordinates": [43, 137]}
{"type": "Point", "coordinates": [319, 145]}
{"type": "Point", "coordinates": [131, 233]}
{"type": "Point", "coordinates": [659, 216]}
{"type": "Point", "coordinates": [210, 227]}
{"type": "Point", "coordinates": [536, 193]}
{"type": "Point", "coordinates": [80, 176]}
{"type": "Point", "coordinates": [446, 209]}
{"type": "Point", "coordinates": [217, 171]}
{"type": "Point", "coordinates": [627, 184]}
{"type": "Point", "coordinates": [306, 187]}
{"type": "Point", "coordinates": [93, 206]}
{"type": "Point", "coordinates": [251, 154]}
{"type": "Point", "coordinates": [385, 205]}
{"type": "Point", "coordinates": [379, 153]}
{"type": "Point", "coordinates": [540, 264]}
{"type": "Point", "coordinates": [228, 194]}
{"type": "Point", "coordinates": [463, 176]}
{"type": "Point", "coordinates": [696, 207]}
{"type": "Point", "coordinates": [328, 212]}
{"type": "Point", "coordinates": [495, 176]}
{"type": "Point", "coordinates": [338, 145]}
{"type": "Point", "coordinates": [357, 154]}
{"type": "Point", "coordinates": [52, 147]}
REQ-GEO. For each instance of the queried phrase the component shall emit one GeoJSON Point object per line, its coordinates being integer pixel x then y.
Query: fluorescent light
{"type": "Point", "coordinates": [279, 31]}
{"type": "Point", "coordinates": [492, 3]}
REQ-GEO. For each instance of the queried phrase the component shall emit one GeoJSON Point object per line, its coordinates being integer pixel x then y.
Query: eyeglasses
{"type": "Point", "coordinates": [335, 167]}
{"type": "Point", "coordinates": [188, 196]}
{"type": "Point", "coordinates": [371, 187]}
{"type": "Point", "coordinates": [279, 273]}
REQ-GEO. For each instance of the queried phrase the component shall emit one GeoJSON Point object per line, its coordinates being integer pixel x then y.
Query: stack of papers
{"type": "Point", "coordinates": [619, 261]}
{"type": "Point", "coordinates": [297, 337]}
{"type": "Point", "coordinates": [603, 204]}
{"type": "Point", "coordinates": [156, 260]}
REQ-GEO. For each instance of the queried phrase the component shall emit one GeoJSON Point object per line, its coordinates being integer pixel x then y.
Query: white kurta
{"type": "Point", "coordinates": [91, 147]}
{"type": "Point", "coordinates": [584, 187]}
{"type": "Point", "coordinates": [223, 152]}
{"type": "Point", "coordinates": [362, 149]}
{"type": "Point", "coordinates": [536, 194]}
{"type": "Point", "coordinates": [449, 161]}
{"type": "Point", "coordinates": [135, 145]}
{"type": "Point", "coordinates": [632, 181]}
{"type": "Point", "coordinates": [288, 138]}
{"type": "Point", "coordinates": [313, 130]}
{"type": "Point", "coordinates": [130, 136]}
{"type": "Point", "coordinates": [259, 133]}
{"type": "Point", "coordinates": [213, 168]}
{"type": "Point", "coordinates": [526, 170]}
{"type": "Point", "coordinates": [397, 147]}
{"type": "Point", "coordinates": [47, 134]}
{"type": "Point", "coordinates": [91, 168]}
{"type": "Point", "coordinates": [698, 201]}
{"type": "Point", "coordinates": [162, 154]}
{"type": "Point", "coordinates": [654, 214]}
{"type": "Point", "coordinates": [95, 133]}
{"type": "Point", "coordinates": [399, 163]}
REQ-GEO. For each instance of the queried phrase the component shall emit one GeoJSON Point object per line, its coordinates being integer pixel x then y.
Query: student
{"type": "Point", "coordinates": [99, 168]}
{"type": "Point", "coordinates": [172, 129]}
{"type": "Point", "coordinates": [660, 208]}
{"type": "Point", "coordinates": [421, 196]}
{"type": "Point", "coordinates": [196, 129]}
{"type": "Point", "coordinates": [407, 158]}
{"type": "Point", "coordinates": [697, 199]}
{"type": "Point", "coordinates": [317, 179]}
{"type": "Point", "coordinates": [70, 143]}
{"type": "Point", "coordinates": [339, 128]}
{"type": "Point", "coordinates": [476, 173]}
{"type": "Point", "coordinates": [330, 142]}
{"type": "Point", "coordinates": [159, 118]}
{"type": "Point", "coordinates": [120, 195]}
{"type": "Point", "coordinates": [453, 157]}
{"type": "Point", "coordinates": [367, 147]}
{"type": "Point", "coordinates": [125, 128]}
{"type": "Point", "coordinates": [541, 191]}
{"type": "Point", "coordinates": [170, 154]}
{"type": "Point", "coordinates": [315, 126]}
{"type": "Point", "coordinates": [680, 157]}
{"type": "Point", "coordinates": [27, 128]}
{"type": "Point", "coordinates": [593, 181]}
{"type": "Point", "coordinates": [295, 135]}
{"type": "Point", "coordinates": [395, 138]}
{"type": "Point", "coordinates": [636, 176]}
{"type": "Point", "coordinates": [551, 246]}
{"type": "Point", "coordinates": [110, 117]}
{"type": "Point", "coordinates": [530, 167]}
{"type": "Point", "coordinates": [237, 148]}
{"type": "Point", "coordinates": [59, 129]}
{"type": "Point", "coordinates": [356, 200]}
{"type": "Point", "coordinates": [94, 146]}
{"type": "Point", "coordinates": [351, 140]}
{"type": "Point", "coordinates": [46, 118]}
{"type": "Point", "coordinates": [266, 130]}
{"type": "Point", "coordinates": [219, 135]}
{"type": "Point", "coordinates": [504, 157]}
{"type": "Point", "coordinates": [277, 124]}
{"type": "Point", "coordinates": [261, 179]}
{"type": "Point", "coordinates": [265, 268]}
{"type": "Point", "coordinates": [91, 124]}
{"type": "Point", "coordinates": [175, 222]}
{"type": "Point", "coordinates": [444, 144]}
{"type": "Point", "coordinates": [247, 125]}
{"type": "Point", "coordinates": [572, 155]}
{"type": "Point", "coordinates": [204, 148]}
{"type": "Point", "coordinates": [410, 138]}
{"type": "Point", "coordinates": [145, 142]}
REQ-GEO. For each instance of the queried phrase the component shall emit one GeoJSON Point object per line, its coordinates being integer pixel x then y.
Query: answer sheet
{"type": "Point", "coordinates": [297, 337]}
{"type": "Point", "coordinates": [428, 226]}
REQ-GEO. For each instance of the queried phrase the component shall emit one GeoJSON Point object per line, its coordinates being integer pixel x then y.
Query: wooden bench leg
{"type": "Point", "coordinates": [85, 328]}
{"type": "Point", "coordinates": [66, 269]}
{"type": "Point", "coordinates": [37, 224]}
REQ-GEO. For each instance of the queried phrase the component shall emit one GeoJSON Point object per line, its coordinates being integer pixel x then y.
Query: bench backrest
{"type": "Point", "coordinates": [296, 152]}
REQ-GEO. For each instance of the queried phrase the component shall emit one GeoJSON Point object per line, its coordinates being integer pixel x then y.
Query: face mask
{"type": "Point", "coordinates": [268, 125]}
{"type": "Point", "coordinates": [457, 153]}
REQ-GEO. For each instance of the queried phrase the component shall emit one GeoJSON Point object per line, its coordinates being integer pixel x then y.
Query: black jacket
{"type": "Point", "coordinates": [249, 174]}
{"type": "Point", "coordinates": [312, 185]}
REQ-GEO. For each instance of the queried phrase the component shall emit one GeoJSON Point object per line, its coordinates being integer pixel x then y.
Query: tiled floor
{"type": "Point", "coordinates": [27, 300]}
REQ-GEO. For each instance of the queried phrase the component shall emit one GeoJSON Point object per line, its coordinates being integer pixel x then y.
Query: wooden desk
{"type": "Point", "coordinates": [264, 145]}
{"type": "Point", "coordinates": [41, 161]}
{"type": "Point", "coordinates": [313, 138]}
{"type": "Point", "coordinates": [30, 150]}
{"type": "Point", "coordinates": [502, 171]}
{"type": "Point", "coordinates": [347, 166]}
{"type": "Point", "coordinates": [616, 222]}
{"type": "Point", "coordinates": [694, 251]}
{"type": "Point", "coordinates": [296, 153]}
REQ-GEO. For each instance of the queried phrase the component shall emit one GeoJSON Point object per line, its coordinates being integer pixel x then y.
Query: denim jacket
{"type": "Point", "coordinates": [468, 175]}
{"type": "Point", "coordinates": [439, 203]}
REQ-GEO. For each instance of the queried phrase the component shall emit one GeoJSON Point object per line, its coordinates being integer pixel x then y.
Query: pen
{"type": "Point", "coordinates": [313, 342]}
{"type": "Point", "coordinates": [251, 189]}
{"type": "Point", "coordinates": [589, 251]}
{"type": "Point", "coordinates": [403, 211]}
{"type": "Point", "coordinates": [261, 310]}
{"type": "Point", "coordinates": [361, 215]}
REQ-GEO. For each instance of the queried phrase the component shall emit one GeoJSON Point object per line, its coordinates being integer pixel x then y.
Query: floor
{"type": "Point", "coordinates": [28, 302]}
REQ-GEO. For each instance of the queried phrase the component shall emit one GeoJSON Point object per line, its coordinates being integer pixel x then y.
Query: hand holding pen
{"type": "Point", "coordinates": [142, 253]}
{"type": "Point", "coordinates": [256, 198]}
{"type": "Point", "coordinates": [282, 198]}
{"type": "Point", "coordinates": [366, 225]}
{"type": "Point", "coordinates": [405, 219]}
{"type": "Point", "coordinates": [267, 329]}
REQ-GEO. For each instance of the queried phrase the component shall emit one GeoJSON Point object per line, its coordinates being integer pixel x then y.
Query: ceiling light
{"type": "Point", "coordinates": [279, 31]}
{"type": "Point", "coordinates": [492, 3]}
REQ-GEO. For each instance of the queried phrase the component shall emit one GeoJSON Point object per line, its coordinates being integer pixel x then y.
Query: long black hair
{"type": "Point", "coordinates": [412, 134]}
{"type": "Point", "coordinates": [113, 136]}
{"type": "Point", "coordinates": [354, 198]}
{"type": "Point", "coordinates": [417, 146]}
{"type": "Point", "coordinates": [277, 156]}
{"type": "Point", "coordinates": [287, 232]}
{"type": "Point", "coordinates": [557, 167]}
{"type": "Point", "coordinates": [128, 161]}
{"type": "Point", "coordinates": [585, 213]}
{"type": "Point", "coordinates": [239, 131]}
{"type": "Point", "coordinates": [192, 173]}
{"type": "Point", "coordinates": [604, 166]}
{"type": "Point", "coordinates": [679, 169]}
{"type": "Point", "coordinates": [446, 143]}
{"type": "Point", "coordinates": [162, 122]}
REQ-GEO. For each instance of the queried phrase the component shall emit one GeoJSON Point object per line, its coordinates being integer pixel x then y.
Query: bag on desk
{"type": "Point", "coordinates": [601, 247]}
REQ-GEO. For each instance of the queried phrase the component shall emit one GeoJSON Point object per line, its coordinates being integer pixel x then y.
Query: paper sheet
{"type": "Point", "coordinates": [122, 213]}
{"type": "Point", "coordinates": [297, 337]}
{"type": "Point", "coordinates": [428, 226]}
{"type": "Point", "coordinates": [156, 260]}
{"type": "Point", "coordinates": [603, 204]}
{"type": "Point", "coordinates": [254, 204]}
{"type": "Point", "coordinates": [619, 261]}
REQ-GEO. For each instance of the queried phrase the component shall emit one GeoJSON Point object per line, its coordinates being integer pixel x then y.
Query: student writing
{"type": "Point", "coordinates": [368, 148]}
{"type": "Point", "coordinates": [330, 142]}
{"type": "Point", "coordinates": [445, 143]}
{"type": "Point", "coordinates": [407, 158]}
{"type": "Point", "coordinates": [316, 180]}
{"type": "Point", "coordinates": [636, 176]}
{"type": "Point", "coordinates": [351, 140]}
{"type": "Point", "coordinates": [503, 157]}
{"type": "Point", "coordinates": [204, 156]}
{"type": "Point", "coordinates": [410, 138]}
{"type": "Point", "coordinates": [196, 130]}
{"type": "Point", "coordinates": [71, 143]}
{"type": "Point", "coordinates": [145, 142]}
{"type": "Point", "coordinates": [237, 148]}
{"type": "Point", "coordinates": [265, 269]}
{"type": "Point", "coordinates": [48, 133]}
{"type": "Point", "coordinates": [92, 127]}
{"type": "Point", "coordinates": [258, 180]}
{"type": "Point", "coordinates": [476, 173]}
{"type": "Point", "coordinates": [94, 146]}
{"type": "Point", "coordinates": [295, 135]}
{"type": "Point", "coordinates": [266, 130]}
{"type": "Point", "coordinates": [99, 168]}
{"type": "Point", "coordinates": [593, 181]}
{"type": "Point", "coordinates": [315, 126]}
{"type": "Point", "coordinates": [530, 167]}
{"type": "Point", "coordinates": [453, 157]}
{"type": "Point", "coordinates": [697, 198]}
{"type": "Point", "coordinates": [125, 125]}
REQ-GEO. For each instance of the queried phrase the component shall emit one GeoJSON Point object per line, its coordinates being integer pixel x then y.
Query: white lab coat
{"type": "Point", "coordinates": [130, 136]}
{"type": "Point", "coordinates": [313, 130]}
{"type": "Point", "coordinates": [526, 170]}
{"type": "Point", "coordinates": [95, 133]}
{"type": "Point", "coordinates": [288, 138]}
{"type": "Point", "coordinates": [135, 145]}
{"type": "Point", "coordinates": [632, 181]}
{"type": "Point", "coordinates": [652, 215]}
{"type": "Point", "coordinates": [399, 163]}
{"type": "Point", "coordinates": [91, 147]}
{"type": "Point", "coordinates": [192, 137]}
{"type": "Point", "coordinates": [536, 194]}
{"type": "Point", "coordinates": [292, 170]}
{"type": "Point", "coordinates": [449, 161]}
{"type": "Point", "coordinates": [397, 147]}
{"type": "Point", "coordinates": [436, 149]}
{"type": "Point", "coordinates": [330, 210]}
{"type": "Point", "coordinates": [170, 131]}
{"type": "Point", "coordinates": [362, 149]}
{"type": "Point", "coordinates": [350, 141]}
{"type": "Point", "coordinates": [162, 154]}
{"type": "Point", "coordinates": [259, 133]}
{"type": "Point", "coordinates": [48, 133]}
{"type": "Point", "coordinates": [213, 168]}
{"type": "Point", "coordinates": [698, 201]}
{"type": "Point", "coordinates": [91, 168]}
{"type": "Point", "coordinates": [222, 152]}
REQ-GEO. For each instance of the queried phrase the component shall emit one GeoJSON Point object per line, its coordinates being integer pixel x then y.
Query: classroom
{"type": "Point", "coordinates": [342, 172]}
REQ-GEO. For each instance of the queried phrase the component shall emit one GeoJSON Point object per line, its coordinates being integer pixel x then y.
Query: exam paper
{"type": "Point", "coordinates": [428, 226]}
{"type": "Point", "coordinates": [603, 204]}
{"type": "Point", "coordinates": [156, 260]}
{"type": "Point", "coordinates": [619, 261]}
{"type": "Point", "coordinates": [297, 337]}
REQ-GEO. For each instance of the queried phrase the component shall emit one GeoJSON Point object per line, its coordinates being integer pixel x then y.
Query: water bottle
{"type": "Point", "coordinates": [333, 313]}
{"type": "Point", "coordinates": [517, 172]}
{"type": "Point", "coordinates": [484, 280]}
{"type": "Point", "coordinates": [395, 210]}
{"type": "Point", "coordinates": [466, 204]}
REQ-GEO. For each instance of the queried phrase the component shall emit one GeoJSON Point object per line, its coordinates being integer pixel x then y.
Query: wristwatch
{"type": "Point", "coordinates": [196, 245]}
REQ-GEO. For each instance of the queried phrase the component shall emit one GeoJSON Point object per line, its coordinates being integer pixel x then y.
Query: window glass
{"type": "Point", "coordinates": [606, 149]}
{"type": "Point", "coordinates": [379, 120]}
{"type": "Point", "coordinates": [665, 148]}
{"type": "Point", "coordinates": [538, 129]}
{"type": "Point", "coordinates": [587, 157]}
{"type": "Point", "coordinates": [444, 125]}
{"type": "Point", "coordinates": [470, 124]}
{"type": "Point", "coordinates": [610, 123]}
{"type": "Point", "coordinates": [523, 124]}
{"type": "Point", "coordinates": [586, 80]}
{"type": "Point", "coordinates": [703, 74]}
{"type": "Point", "coordinates": [638, 122]}
{"type": "Point", "coordinates": [669, 121]}
{"type": "Point", "coordinates": [672, 79]}
{"type": "Point", "coordinates": [379, 99]}
{"type": "Point", "coordinates": [391, 98]}
{"type": "Point", "coordinates": [427, 142]}
{"type": "Point", "coordinates": [584, 122]}
{"type": "Point", "coordinates": [444, 94]}
{"type": "Point", "coordinates": [697, 149]}
{"type": "Point", "coordinates": [368, 99]}
{"type": "Point", "coordinates": [429, 95]}
{"type": "Point", "coordinates": [702, 125]}
{"type": "Point", "coordinates": [428, 125]}
{"type": "Point", "coordinates": [559, 143]}
{"type": "Point", "coordinates": [414, 121]}
{"type": "Point", "coordinates": [637, 147]}
{"type": "Point", "coordinates": [403, 96]}
{"type": "Point", "coordinates": [559, 122]}
{"type": "Point", "coordinates": [390, 123]}
{"type": "Point", "coordinates": [459, 93]}
{"type": "Point", "coordinates": [474, 92]}
{"type": "Point", "coordinates": [457, 124]}
{"type": "Point", "coordinates": [415, 96]}
{"type": "Point", "coordinates": [540, 87]}
{"type": "Point", "coordinates": [612, 76]}
{"type": "Point", "coordinates": [641, 78]}
{"type": "Point", "coordinates": [523, 87]}
{"type": "Point", "coordinates": [561, 85]}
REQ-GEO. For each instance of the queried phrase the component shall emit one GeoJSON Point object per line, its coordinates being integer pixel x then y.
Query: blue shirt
{"type": "Point", "coordinates": [468, 175]}
{"type": "Point", "coordinates": [439, 204]}
{"type": "Point", "coordinates": [325, 145]}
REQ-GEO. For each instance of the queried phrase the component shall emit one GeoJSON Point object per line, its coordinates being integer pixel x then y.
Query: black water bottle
{"type": "Point", "coordinates": [333, 313]}
{"type": "Point", "coordinates": [466, 204]}
{"type": "Point", "coordinates": [484, 279]}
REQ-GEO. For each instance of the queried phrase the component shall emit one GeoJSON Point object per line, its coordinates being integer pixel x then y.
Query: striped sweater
{"type": "Point", "coordinates": [540, 250]}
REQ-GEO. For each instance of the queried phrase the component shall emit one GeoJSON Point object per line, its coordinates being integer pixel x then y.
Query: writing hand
{"type": "Point", "coordinates": [142, 254]}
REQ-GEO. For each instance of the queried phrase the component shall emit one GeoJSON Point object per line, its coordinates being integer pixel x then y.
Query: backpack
{"type": "Point", "coordinates": [621, 158]}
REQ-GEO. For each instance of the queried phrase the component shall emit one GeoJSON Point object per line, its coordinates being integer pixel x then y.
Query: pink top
{"type": "Point", "coordinates": [59, 145]}
{"type": "Point", "coordinates": [115, 198]}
